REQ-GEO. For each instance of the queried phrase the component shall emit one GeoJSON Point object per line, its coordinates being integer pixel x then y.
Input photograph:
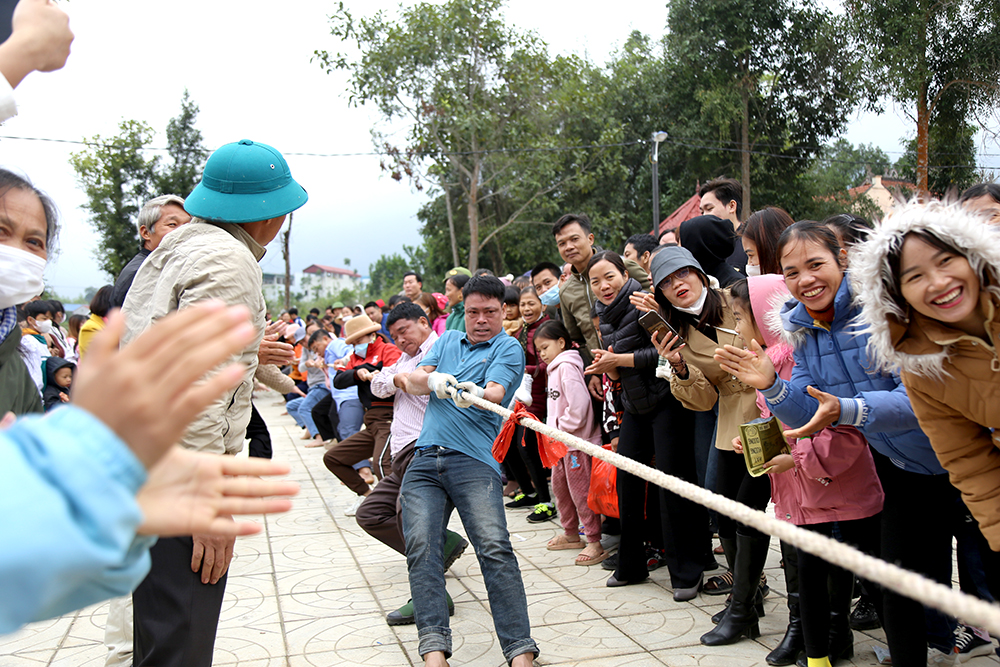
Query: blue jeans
{"type": "Point", "coordinates": [301, 408]}
{"type": "Point", "coordinates": [437, 481]}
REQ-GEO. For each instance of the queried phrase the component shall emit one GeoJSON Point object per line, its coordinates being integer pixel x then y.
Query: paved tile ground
{"type": "Point", "coordinates": [313, 588]}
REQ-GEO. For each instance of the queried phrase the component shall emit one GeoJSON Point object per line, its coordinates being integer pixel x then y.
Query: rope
{"type": "Point", "coordinates": [929, 593]}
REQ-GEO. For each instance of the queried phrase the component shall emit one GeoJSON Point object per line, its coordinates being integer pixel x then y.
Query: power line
{"type": "Point", "coordinates": [548, 149]}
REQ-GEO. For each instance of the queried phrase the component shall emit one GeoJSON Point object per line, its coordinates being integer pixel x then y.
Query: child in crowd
{"type": "Point", "coordinates": [512, 321]}
{"type": "Point", "coordinates": [58, 380]}
{"type": "Point", "coordinates": [827, 478]}
{"type": "Point", "coordinates": [570, 410]}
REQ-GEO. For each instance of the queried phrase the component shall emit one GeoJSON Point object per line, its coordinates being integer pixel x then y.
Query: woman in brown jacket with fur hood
{"type": "Point", "coordinates": [929, 284]}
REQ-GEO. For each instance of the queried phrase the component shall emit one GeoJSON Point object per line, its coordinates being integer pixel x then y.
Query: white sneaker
{"type": "Point", "coordinates": [353, 509]}
{"type": "Point", "coordinates": [971, 643]}
{"type": "Point", "coordinates": [938, 657]}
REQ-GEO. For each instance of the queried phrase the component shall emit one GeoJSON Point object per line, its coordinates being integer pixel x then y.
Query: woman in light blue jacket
{"type": "Point", "coordinates": [834, 383]}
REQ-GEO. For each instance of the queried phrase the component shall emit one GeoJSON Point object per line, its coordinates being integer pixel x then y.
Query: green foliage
{"type": "Point", "coordinates": [386, 276]}
{"type": "Point", "coordinates": [771, 76]}
{"type": "Point", "coordinates": [117, 179]}
{"type": "Point", "coordinates": [941, 59]}
{"type": "Point", "coordinates": [951, 157]}
{"type": "Point", "coordinates": [841, 166]}
{"type": "Point", "coordinates": [186, 150]}
{"type": "Point", "coordinates": [467, 85]}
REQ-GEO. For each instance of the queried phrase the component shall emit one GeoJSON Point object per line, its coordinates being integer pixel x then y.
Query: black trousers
{"type": "Point", "coordinates": [666, 433]}
{"type": "Point", "coordinates": [826, 588]}
{"type": "Point", "coordinates": [525, 464]}
{"type": "Point", "coordinates": [324, 414]}
{"type": "Point", "coordinates": [733, 481]}
{"type": "Point", "coordinates": [175, 615]}
{"type": "Point", "coordinates": [916, 534]}
{"type": "Point", "coordinates": [260, 437]}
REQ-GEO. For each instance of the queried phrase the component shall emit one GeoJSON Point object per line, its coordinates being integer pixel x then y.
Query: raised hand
{"type": "Point", "coordinates": [751, 367]}
{"type": "Point", "coordinates": [827, 414]}
{"type": "Point", "coordinates": [152, 389]}
{"type": "Point", "coordinates": [191, 493]}
{"type": "Point", "coordinates": [644, 301]}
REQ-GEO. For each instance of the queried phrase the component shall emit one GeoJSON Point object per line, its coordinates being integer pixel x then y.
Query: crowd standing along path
{"type": "Point", "coordinates": [313, 589]}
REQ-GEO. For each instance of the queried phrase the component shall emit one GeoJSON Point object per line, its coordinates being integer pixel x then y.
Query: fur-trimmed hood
{"type": "Point", "coordinates": [897, 341]}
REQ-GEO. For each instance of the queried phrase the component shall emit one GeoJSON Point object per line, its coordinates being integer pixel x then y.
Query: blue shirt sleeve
{"type": "Point", "coordinates": [70, 516]}
{"type": "Point", "coordinates": [506, 367]}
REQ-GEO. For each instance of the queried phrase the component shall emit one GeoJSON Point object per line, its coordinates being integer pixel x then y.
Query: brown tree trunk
{"type": "Point", "coordinates": [745, 147]}
{"type": "Point", "coordinates": [285, 237]}
{"type": "Point", "coordinates": [472, 207]}
{"type": "Point", "coordinates": [923, 133]}
{"type": "Point", "coordinates": [451, 222]}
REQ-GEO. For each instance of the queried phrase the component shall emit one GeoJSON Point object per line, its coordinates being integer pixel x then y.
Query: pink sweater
{"type": "Point", "coordinates": [834, 478]}
{"type": "Point", "coordinates": [568, 404]}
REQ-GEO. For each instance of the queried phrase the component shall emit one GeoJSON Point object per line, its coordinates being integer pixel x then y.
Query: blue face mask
{"type": "Point", "coordinates": [361, 350]}
{"type": "Point", "coordinates": [551, 296]}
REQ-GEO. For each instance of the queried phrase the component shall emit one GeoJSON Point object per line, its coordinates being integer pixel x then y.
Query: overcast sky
{"type": "Point", "coordinates": [247, 65]}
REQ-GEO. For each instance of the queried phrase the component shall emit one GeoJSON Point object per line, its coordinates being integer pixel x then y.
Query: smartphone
{"type": "Point", "coordinates": [653, 322]}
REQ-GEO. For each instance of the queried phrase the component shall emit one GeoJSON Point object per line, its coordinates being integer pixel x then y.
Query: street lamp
{"type": "Point", "coordinates": [657, 138]}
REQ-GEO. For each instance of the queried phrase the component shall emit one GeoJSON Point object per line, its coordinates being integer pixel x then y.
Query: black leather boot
{"type": "Point", "coordinates": [841, 637]}
{"type": "Point", "coordinates": [741, 616]}
{"type": "Point", "coordinates": [758, 604]}
{"type": "Point", "coordinates": [793, 643]}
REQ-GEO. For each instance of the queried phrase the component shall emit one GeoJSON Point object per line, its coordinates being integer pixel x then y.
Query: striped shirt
{"type": "Point", "coordinates": [407, 410]}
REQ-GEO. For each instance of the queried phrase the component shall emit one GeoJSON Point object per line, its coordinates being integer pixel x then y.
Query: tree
{"type": "Point", "coordinates": [939, 58]}
{"type": "Point", "coordinates": [186, 150]}
{"type": "Point", "coordinates": [469, 88]}
{"type": "Point", "coordinates": [386, 275]}
{"type": "Point", "coordinates": [951, 152]}
{"type": "Point", "coordinates": [116, 178]}
{"type": "Point", "coordinates": [768, 76]}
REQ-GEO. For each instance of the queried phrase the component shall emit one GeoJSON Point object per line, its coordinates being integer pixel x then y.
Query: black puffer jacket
{"type": "Point", "coordinates": [620, 330]}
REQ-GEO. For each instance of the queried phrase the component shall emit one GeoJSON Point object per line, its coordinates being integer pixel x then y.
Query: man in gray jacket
{"type": "Point", "coordinates": [239, 207]}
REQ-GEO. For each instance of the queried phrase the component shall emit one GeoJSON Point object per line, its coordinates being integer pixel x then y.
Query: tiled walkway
{"type": "Point", "coordinates": [313, 588]}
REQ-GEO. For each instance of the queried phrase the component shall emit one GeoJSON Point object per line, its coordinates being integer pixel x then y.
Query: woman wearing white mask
{"type": "Point", "coordinates": [759, 236]}
{"type": "Point", "coordinates": [27, 228]}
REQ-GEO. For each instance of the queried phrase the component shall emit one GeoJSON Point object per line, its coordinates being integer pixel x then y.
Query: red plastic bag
{"type": "Point", "coordinates": [603, 494]}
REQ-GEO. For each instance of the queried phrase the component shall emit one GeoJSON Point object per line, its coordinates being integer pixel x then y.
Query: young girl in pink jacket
{"type": "Point", "coordinates": [827, 478]}
{"type": "Point", "coordinates": [569, 409]}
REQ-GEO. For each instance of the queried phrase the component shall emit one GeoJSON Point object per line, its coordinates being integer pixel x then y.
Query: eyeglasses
{"type": "Point", "coordinates": [680, 274]}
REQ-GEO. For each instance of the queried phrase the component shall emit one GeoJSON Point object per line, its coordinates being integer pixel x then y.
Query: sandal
{"type": "Point", "coordinates": [720, 584]}
{"type": "Point", "coordinates": [586, 561]}
{"type": "Point", "coordinates": [562, 543]}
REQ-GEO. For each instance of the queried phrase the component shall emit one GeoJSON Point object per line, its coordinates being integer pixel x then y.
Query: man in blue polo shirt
{"type": "Point", "coordinates": [454, 467]}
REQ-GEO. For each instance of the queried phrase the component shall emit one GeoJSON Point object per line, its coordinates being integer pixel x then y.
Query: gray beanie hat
{"type": "Point", "coordinates": [669, 260]}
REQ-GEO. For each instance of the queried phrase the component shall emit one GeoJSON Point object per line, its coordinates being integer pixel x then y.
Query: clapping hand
{"type": "Point", "coordinates": [751, 367]}
{"type": "Point", "coordinates": [827, 414]}
{"type": "Point", "coordinates": [644, 301]}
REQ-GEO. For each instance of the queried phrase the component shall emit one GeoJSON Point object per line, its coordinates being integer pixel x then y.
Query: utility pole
{"type": "Point", "coordinates": [285, 236]}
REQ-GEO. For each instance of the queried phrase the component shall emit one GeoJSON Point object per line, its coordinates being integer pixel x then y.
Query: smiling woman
{"type": "Point", "coordinates": [928, 278]}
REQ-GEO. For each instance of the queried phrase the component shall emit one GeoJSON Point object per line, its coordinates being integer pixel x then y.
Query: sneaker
{"type": "Point", "coordinates": [521, 500]}
{"type": "Point", "coordinates": [610, 542]}
{"type": "Point", "coordinates": [936, 656]}
{"type": "Point", "coordinates": [454, 546]}
{"type": "Point", "coordinates": [353, 509]}
{"type": "Point", "coordinates": [864, 617]}
{"type": "Point", "coordinates": [543, 512]}
{"type": "Point", "coordinates": [970, 643]}
{"type": "Point", "coordinates": [654, 558]}
{"type": "Point", "coordinates": [610, 563]}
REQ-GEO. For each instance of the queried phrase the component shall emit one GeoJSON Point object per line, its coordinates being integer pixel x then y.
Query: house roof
{"type": "Point", "coordinates": [686, 211]}
{"type": "Point", "coordinates": [319, 268]}
{"type": "Point", "coordinates": [887, 183]}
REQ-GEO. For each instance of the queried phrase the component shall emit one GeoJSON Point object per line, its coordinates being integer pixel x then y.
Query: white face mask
{"type": "Point", "coordinates": [43, 326]}
{"type": "Point", "coordinates": [753, 269]}
{"type": "Point", "coordinates": [20, 276]}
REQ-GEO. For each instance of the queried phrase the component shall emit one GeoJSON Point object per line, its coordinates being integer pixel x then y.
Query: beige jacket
{"type": "Point", "coordinates": [707, 383]}
{"type": "Point", "coordinates": [204, 260]}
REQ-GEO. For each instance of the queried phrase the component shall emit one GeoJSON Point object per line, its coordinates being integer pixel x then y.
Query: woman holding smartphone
{"type": "Point", "coordinates": [703, 316]}
{"type": "Point", "coordinates": [653, 423]}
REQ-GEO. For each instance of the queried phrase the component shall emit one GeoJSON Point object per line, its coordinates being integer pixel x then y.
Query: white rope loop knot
{"type": "Point", "coordinates": [917, 587]}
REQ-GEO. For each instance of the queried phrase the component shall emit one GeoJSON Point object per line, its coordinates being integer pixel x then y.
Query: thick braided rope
{"type": "Point", "coordinates": [929, 593]}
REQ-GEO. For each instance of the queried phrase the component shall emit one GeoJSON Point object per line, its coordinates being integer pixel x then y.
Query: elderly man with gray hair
{"type": "Point", "coordinates": [158, 217]}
